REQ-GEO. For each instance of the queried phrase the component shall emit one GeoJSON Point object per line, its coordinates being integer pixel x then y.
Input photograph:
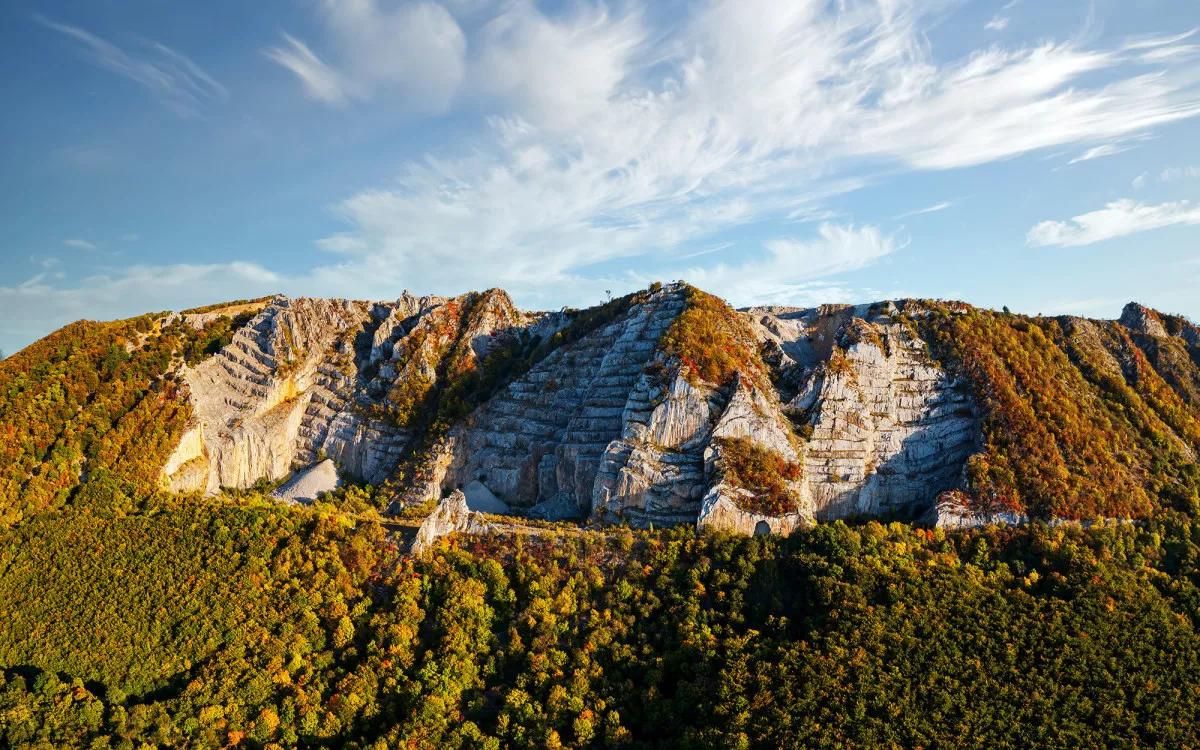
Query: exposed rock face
{"type": "Point", "coordinates": [314, 378]}
{"type": "Point", "coordinates": [451, 515]}
{"type": "Point", "coordinates": [662, 469]}
{"type": "Point", "coordinates": [481, 500]}
{"type": "Point", "coordinates": [890, 429]}
{"type": "Point", "coordinates": [606, 427]}
{"type": "Point", "coordinates": [721, 510]}
{"type": "Point", "coordinates": [655, 472]}
{"type": "Point", "coordinates": [949, 514]}
{"type": "Point", "coordinates": [250, 399]}
{"type": "Point", "coordinates": [546, 432]}
{"type": "Point", "coordinates": [1141, 319]}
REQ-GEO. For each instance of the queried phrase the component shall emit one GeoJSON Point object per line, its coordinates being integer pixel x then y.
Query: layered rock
{"type": "Point", "coordinates": [951, 512]}
{"type": "Point", "coordinates": [723, 509]}
{"type": "Point", "coordinates": [654, 473]}
{"type": "Point", "coordinates": [607, 426]}
{"type": "Point", "coordinates": [889, 430]}
{"type": "Point", "coordinates": [309, 379]}
{"type": "Point", "coordinates": [250, 399]}
{"type": "Point", "coordinates": [546, 433]}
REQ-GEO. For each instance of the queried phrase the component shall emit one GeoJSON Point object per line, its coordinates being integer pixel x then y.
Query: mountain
{"type": "Point", "coordinates": [907, 523]}
{"type": "Point", "coordinates": [661, 407]}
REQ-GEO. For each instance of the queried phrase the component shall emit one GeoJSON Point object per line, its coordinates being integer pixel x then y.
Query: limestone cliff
{"type": "Point", "coordinates": [601, 415]}
{"type": "Point", "coordinates": [314, 378]}
{"type": "Point", "coordinates": [607, 426]}
{"type": "Point", "coordinates": [890, 430]}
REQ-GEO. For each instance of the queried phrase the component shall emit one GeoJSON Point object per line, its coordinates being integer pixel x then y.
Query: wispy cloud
{"type": "Point", "coordinates": [123, 293]}
{"type": "Point", "coordinates": [415, 49]}
{"type": "Point", "coordinates": [79, 244]}
{"type": "Point", "coordinates": [1164, 49]}
{"type": "Point", "coordinates": [730, 118]}
{"type": "Point", "coordinates": [172, 77]}
{"type": "Point", "coordinates": [320, 81]}
{"type": "Point", "coordinates": [1097, 152]}
{"type": "Point", "coordinates": [1117, 219]}
{"type": "Point", "coordinates": [1179, 173]}
{"type": "Point", "coordinates": [928, 210]}
{"type": "Point", "coordinates": [1000, 21]}
{"type": "Point", "coordinates": [129, 237]}
{"type": "Point", "coordinates": [782, 274]}
{"type": "Point", "coordinates": [617, 132]}
{"type": "Point", "coordinates": [1139, 182]}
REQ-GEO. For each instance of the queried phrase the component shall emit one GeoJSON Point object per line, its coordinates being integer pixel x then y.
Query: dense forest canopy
{"type": "Point", "coordinates": [247, 624]}
{"type": "Point", "coordinates": [131, 617]}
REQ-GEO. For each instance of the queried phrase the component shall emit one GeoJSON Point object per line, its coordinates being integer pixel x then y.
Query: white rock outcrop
{"type": "Point", "coordinates": [451, 515]}
{"type": "Point", "coordinates": [547, 432]}
{"type": "Point", "coordinates": [309, 379]}
{"type": "Point", "coordinates": [481, 500]}
{"type": "Point", "coordinates": [890, 429]}
{"type": "Point", "coordinates": [721, 510]}
{"type": "Point", "coordinates": [949, 514]}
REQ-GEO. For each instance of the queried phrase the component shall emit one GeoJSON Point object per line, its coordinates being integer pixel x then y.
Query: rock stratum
{"type": "Point", "coordinates": [668, 407]}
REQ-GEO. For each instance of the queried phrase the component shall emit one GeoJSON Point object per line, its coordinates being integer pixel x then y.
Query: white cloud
{"type": "Point", "coordinates": [1164, 49]}
{"type": "Point", "coordinates": [785, 273]}
{"type": "Point", "coordinates": [1117, 219]}
{"type": "Point", "coordinates": [736, 116]}
{"type": "Point", "coordinates": [37, 306]}
{"type": "Point", "coordinates": [1097, 152]}
{"type": "Point", "coordinates": [320, 81]}
{"type": "Point", "coordinates": [558, 71]}
{"type": "Point", "coordinates": [416, 49]}
{"type": "Point", "coordinates": [927, 210]}
{"type": "Point", "coordinates": [1139, 182]}
{"type": "Point", "coordinates": [617, 131]}
{"type": "Point", "coordinates": [1179, 173]}
{"type": "Point", "coordinates": [174, 78]}
{"type": "Point", "coordinates": [79, 244]}
{"type": "Point", "coordinates": [998, 23]}
{"type": "Point", "coordinates": [1158, 41]}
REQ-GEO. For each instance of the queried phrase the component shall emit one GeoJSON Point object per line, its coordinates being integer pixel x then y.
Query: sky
{"type": "Point", "coordinates": [162, 154]}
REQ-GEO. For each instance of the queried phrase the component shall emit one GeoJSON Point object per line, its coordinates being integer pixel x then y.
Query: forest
{"type": "Point", "coordinates": [1082, 419]}
{"type": "Point", "coordinates": [238, 623]}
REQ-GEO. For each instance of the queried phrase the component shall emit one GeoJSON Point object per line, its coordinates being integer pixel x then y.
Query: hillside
{"type": "Point", "coordinates": [684, 526]}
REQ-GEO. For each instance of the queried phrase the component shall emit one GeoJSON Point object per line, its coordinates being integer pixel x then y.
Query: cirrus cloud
{"type": "Point", "coordinates": [1117, 219]}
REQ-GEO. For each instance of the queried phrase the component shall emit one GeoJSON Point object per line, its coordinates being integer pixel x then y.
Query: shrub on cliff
{"type": "Point", "coordinates": [749, 466]}
{"type": "Point", "coordinates": [713, 343]}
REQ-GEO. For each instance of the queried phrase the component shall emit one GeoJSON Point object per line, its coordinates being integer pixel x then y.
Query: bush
{"type": "Point", "coordinates": [749, 466]}
{"type": "Point", "coordinates": [713, 343]}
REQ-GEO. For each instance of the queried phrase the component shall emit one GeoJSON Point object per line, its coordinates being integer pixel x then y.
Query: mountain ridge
{"type": "Point", "coordinates": [625, 413]}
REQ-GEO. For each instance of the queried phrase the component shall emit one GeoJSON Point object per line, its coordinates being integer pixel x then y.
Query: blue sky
{"type": "Point", "coordinates": [160, 154]}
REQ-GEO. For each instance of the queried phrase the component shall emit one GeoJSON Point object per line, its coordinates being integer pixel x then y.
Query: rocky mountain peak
{"type": "Point", "coordinates": [1142, 319]}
